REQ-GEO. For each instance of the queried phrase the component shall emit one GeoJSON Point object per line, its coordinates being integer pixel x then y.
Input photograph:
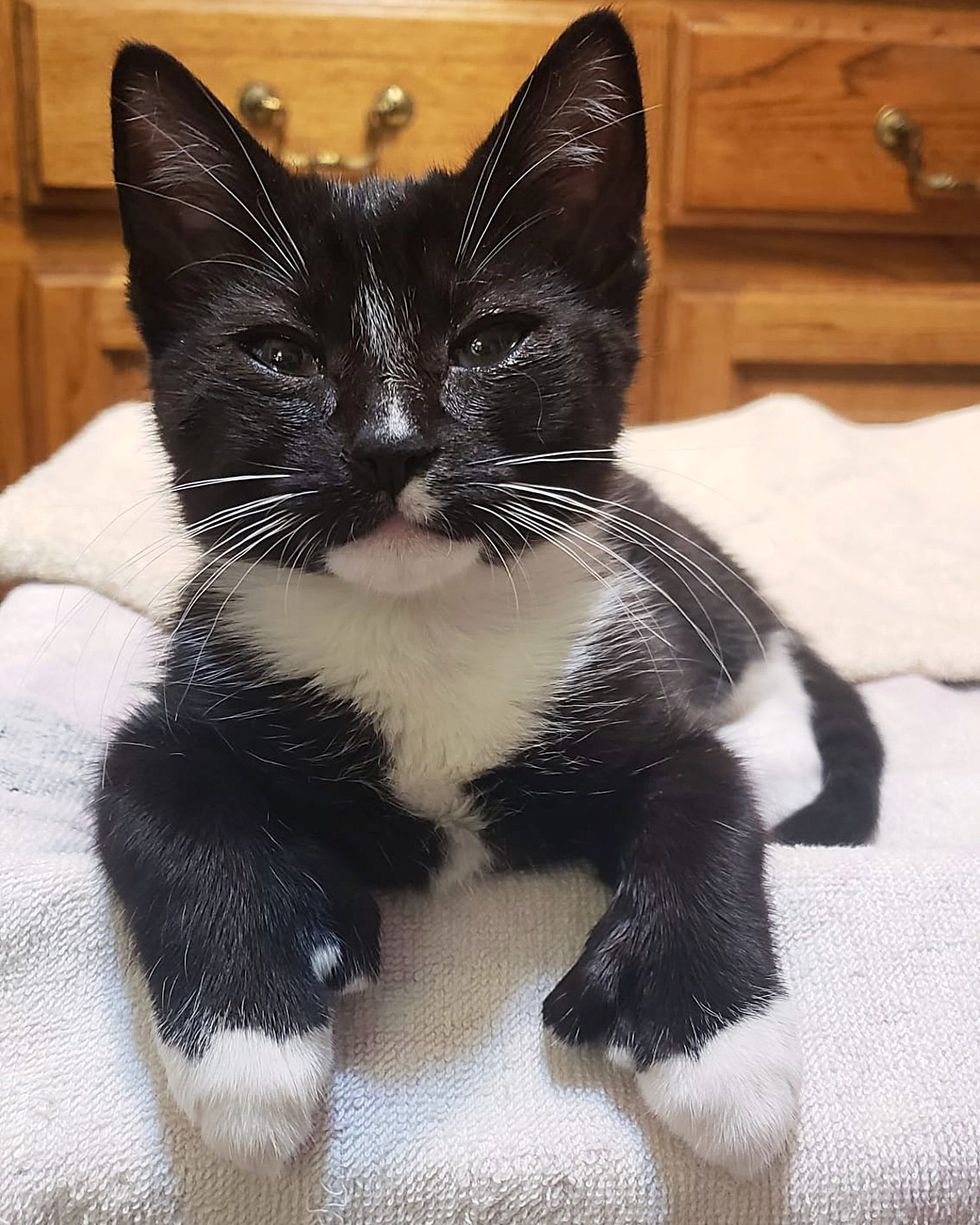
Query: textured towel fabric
{"type": "Point", "coordinates": [863, 537]}
{"type": "Point", "coordinates": [448, 1106]}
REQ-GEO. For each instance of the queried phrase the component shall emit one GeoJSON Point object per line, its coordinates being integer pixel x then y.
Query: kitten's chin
{"type": "Point", "coordinates": [401, 558]}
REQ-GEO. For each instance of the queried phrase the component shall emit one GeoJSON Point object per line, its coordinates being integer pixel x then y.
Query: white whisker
{"type": "Point", "coordinates": [643, 578]}
{"type": "Point", "coordinates": [575, 139]}
{"type": "Point", "coordinates": [629, 533]}
{"type": "Point", "coordinates": [487, 172]}
{"type": "Point", "coordinates": [645, 629]}
{"type": "Point", "coordinates": [185, 151]}
{"type": "Point", "coordinates": [149, 191]}
{"type": "Point", "coordinates": [592, 505]}
{"type": "Point", "coordinates": [261, 182]}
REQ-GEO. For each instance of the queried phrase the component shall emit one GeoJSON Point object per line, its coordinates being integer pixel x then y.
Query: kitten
{"type": "Point", "coordinates": [438, 631]}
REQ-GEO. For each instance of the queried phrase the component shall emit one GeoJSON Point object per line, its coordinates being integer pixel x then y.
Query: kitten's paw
{"type": "Point", "coordinates": [734, 1103]}
{"type": "Point", "coordinates": [252, 1096]}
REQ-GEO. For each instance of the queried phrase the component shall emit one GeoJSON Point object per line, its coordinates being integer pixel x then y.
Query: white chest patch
{"type": "Point", "coordinates": [766, 723]}
{"type": "Point", "coordinates": [456, 680]}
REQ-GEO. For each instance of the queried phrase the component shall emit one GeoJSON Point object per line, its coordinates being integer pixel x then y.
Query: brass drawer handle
{"type": "Point", "coordinates": [899, 135]}
{"type": "Point", "coordinates": [264, 111]}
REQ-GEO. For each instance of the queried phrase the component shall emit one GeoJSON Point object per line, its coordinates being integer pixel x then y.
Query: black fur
{"type": "Point", "coordinates": [845, 813]}
{"type": "Point", "coordinates": [200, 286]}
{"type": "Point", "coordinates": [243, 818]}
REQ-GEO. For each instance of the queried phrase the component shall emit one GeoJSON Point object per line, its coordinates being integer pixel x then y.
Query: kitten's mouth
{"type": "Point", "coordinates": [398, 529]}
{"type": "Point", "coordinates": [401, 557]}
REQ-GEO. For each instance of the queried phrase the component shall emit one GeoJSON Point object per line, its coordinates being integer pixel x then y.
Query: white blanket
{"type": "Point", "coordinates": [448, 1104]}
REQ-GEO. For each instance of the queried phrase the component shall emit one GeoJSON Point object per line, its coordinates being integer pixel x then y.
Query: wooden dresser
{"type": "Point", "coordinates": [814, 217]}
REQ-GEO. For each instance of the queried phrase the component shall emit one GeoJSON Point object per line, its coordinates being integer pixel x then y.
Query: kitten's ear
{"type": "Point", "coordinates": [567, 161]}
{"type": "Point", "coordinates": [193, 185]}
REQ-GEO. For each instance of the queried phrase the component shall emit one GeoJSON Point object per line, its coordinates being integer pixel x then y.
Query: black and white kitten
{"type": "Point", "coordinates": [437, 630]}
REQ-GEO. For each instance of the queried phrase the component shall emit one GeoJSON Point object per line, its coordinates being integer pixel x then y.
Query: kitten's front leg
{"type": "Point", "coordinates": [678, 979]}
{"type": "Point", "coordinates": [246, 931]}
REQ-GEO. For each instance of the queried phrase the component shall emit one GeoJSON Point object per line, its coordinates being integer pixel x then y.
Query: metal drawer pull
{"type": "Point", "coordinates": [264, 110]}
{"type": "Point", "coordinates": [901, 136]}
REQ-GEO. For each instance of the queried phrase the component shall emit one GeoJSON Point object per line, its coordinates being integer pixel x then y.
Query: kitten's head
{"type": "Point", "coordinates": [351, 377]}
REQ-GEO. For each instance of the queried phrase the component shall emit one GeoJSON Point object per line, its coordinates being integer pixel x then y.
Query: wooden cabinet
{"type": "Point", "coordinates": [877, 355]}
{"type": "Point", "coordinates": [789, 250]}
{"type": "Point", "coordinates": [773, 113]}
{"type": "Point", "coordinates": [798, 252]}
{"type": "Point", "coordinates": [84, 351]}
{"type": "Point", "coordinates": [460, 65]}
{"type": "Point", "coordinates": [14, 449]}
{"type": "Point", "coordinates": [881, 327]}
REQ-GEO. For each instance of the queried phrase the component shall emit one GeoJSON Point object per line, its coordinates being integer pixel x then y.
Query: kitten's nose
{"type": "Point", "coordinates": [390, 464]}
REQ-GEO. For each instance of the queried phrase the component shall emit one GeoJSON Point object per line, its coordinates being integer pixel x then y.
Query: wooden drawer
{"type": "Point", "coordinates": [873, 354]}
{"type": "Point", "coordinates": [84, 351]}
{"type": "Point", "coordinates": [775, 115]}
{"type": "Point", "coordinates": [327, 66]}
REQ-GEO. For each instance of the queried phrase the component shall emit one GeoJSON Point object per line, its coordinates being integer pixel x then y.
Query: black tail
{"type": "Point", "coordinates": [845, 813]}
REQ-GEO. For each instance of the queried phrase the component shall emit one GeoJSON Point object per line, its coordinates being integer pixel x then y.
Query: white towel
{"type": "Point", "coordinates": [448, 1104]}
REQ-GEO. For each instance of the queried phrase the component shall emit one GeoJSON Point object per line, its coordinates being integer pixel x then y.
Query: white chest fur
{"type": "Point", "coordinates": [456, 679]}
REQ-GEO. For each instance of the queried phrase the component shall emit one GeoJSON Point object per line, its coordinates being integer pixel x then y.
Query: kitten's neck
{"type": "Point", "coordinates": [548, 582]}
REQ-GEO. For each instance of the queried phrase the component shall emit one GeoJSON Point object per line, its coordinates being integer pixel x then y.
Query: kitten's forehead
{"type": "Point", "coordinates": [394, 236]}
{"type": "Point", "coordinates": [395, 217]}
{"type": "Point", "coordinates": [383, 318]}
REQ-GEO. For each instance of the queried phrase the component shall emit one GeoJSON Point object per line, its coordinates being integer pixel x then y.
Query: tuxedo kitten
{"type": "Point", "coordinates": [438, 630]}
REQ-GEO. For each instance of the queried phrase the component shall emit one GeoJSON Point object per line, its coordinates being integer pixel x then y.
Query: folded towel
{"type": "Point", "coordinates": [448, 1104]}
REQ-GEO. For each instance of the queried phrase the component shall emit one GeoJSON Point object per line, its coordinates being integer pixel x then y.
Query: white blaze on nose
{"type": "Point", "coordinates": [394, 423]}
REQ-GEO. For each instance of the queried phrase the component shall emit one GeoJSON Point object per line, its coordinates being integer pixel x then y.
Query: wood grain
{"type": "Point", "coordinates": [921, 326]}
{"type": "Point", "coordinates": [9, 178]}
{"type": "Point", "coordinates": [868, 394]}
{"type": "Point", "coordinates": [651, 31]}
{"type": "Point", "coordinates": [84, 353]}
{"type": "Point", "coordinates": [13, 431]}
{"type": "Point", "coordinates": [878, 354]}
{"type": "Point", "coordinates": [721, 258]}
{"type": "Point", "coordinates": [769, 120]}
{"type": "Point", "coordinates": [460, 65]}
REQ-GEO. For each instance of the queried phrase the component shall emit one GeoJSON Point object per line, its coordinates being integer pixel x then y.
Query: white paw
{"type": "Point", "coordinates": [735, 1103]}
{"type": "Point", "coordinates": [253, 1097]}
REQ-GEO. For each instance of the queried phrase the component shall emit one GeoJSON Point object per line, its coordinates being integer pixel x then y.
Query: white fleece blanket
{"type": "Point", "coordinates": [448, 1105]}
{"type": "Point", "coordinates": [866, 538]}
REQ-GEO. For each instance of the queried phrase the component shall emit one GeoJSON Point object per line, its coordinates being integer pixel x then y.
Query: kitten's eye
{"type": "Point", "coordinates": [490, 343]}
{"type": "Point", "coordinates": [282, 355]}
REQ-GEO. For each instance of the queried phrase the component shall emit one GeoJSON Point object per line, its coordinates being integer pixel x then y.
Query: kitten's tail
{"type": "Point", "coordinates": [845, 813]}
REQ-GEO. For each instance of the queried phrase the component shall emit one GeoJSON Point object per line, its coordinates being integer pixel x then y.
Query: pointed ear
{"type": "Point", "coordinates": [194, 187]}
{"type": "Point", "coordinates": [567, 161]}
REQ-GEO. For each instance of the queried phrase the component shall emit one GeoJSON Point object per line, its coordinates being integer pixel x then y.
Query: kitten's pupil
{"type": "Point", "coordinates": [282, 355]}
